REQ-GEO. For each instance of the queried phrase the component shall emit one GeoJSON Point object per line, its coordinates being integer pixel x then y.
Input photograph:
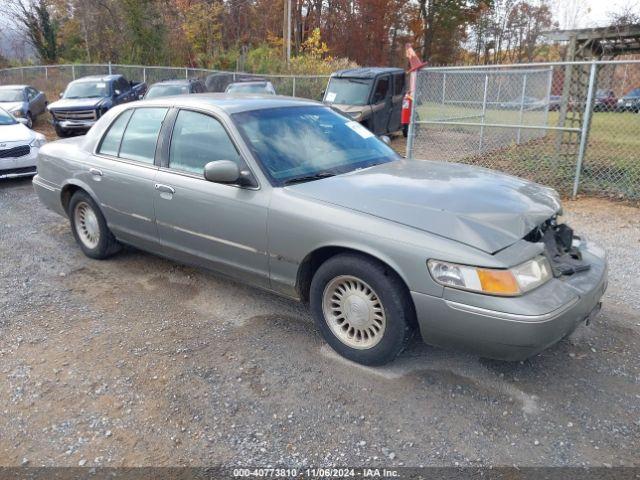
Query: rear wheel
{"type": "Point", "coordinates": [29, 120]}
{"type": "Point", "coordinates": [362, 309]}
{"type": "Point", "coordinates": [89, 227]}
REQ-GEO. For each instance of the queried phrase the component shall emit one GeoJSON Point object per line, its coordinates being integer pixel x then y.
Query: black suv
{"type": "Point", "coordinates": [372, 96]}
{"type": "Point", "coordinates": [168, 88]}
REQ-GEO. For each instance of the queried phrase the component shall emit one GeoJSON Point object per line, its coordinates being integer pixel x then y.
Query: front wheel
{"type": "Point", "coordinates": [29, 120]}
{"type": "Point", "coordinates": [90, 228]}
{"type": "Point", "coordinates": [362, 309]}
{"type": "Point", "coordinates": [61, 132]}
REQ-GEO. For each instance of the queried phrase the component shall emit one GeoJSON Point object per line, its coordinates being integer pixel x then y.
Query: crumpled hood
{"type": "Point", "coordinates": [8, 106]}
{"type": "Point", "coordinates": [75, 103]}
{"type": "Point", "coordinates": [475, 206]}
{"type": "Point", "coordinates": [15, 133]}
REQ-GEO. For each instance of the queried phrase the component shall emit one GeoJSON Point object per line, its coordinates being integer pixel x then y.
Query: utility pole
{"type": "Point", "coordinates": [286, 30]}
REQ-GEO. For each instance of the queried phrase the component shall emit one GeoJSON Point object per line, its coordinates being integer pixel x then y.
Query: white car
{"type": "Point", "coordinates": [19, 147]}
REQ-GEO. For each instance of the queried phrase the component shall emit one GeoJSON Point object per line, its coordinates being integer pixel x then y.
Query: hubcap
{"type": "Point", "coordinates": [354, 312]}
{"type": "Point", "coordinates": [87, 225]}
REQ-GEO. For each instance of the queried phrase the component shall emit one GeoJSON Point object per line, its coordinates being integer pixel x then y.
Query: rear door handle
{"type": "Point", "coordinates": [165, 188]}
{"type": "Point", "coordinates": [95, 171]}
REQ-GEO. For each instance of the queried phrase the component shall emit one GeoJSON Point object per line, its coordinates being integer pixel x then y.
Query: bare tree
{"type": "Point", "coordinates": [40, 28]}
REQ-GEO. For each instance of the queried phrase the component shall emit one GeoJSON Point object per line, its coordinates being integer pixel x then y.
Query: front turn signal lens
{"type": "Point", "coordinates": [490, 281]}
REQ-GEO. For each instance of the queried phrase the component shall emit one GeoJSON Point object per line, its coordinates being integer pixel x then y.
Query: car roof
{"type": "Point", "coordinates": [250, 82]}
{"type": "Point", "coordinates": [229, 103]}
{"type": "Point", "coordinates": [97, 78]}
{"type": "Point", "coordinates": [176, 81]}
{"type": "Point", "coordinates": [366, 72]}
{"type": "Point", "coordinates": [12, 87]}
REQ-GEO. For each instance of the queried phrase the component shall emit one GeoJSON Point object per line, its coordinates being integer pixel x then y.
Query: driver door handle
{"type": "Point", "coordinates": [165, 188]}
{"type": "Point", "coordinates": [95, 171]}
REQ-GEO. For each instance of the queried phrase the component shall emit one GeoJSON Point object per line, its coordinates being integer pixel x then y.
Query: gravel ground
{"type": "Point", "coordinates": [138, 361]}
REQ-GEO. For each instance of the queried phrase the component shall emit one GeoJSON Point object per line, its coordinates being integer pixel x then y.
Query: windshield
{"type": "Point", "coordinates": [348, 91]}
{"type": "Point", "coordinates": [166, 90]}
{"type": "Point", "coordinates": [87, 90]}
{"type": "Point", "coordinates": [6, 119]}
{"type": "Point", "coordinates": [7, 95]}
{"type": "Point", "coordinates": [298, 142]}
{"type": "Point", "coordinates": [248, 88]}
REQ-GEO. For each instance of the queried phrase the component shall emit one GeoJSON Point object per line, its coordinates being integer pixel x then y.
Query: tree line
{"type": "Point", "coordinates": [248, 34]}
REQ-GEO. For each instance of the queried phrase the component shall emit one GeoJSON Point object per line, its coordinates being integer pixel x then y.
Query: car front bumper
{"type": "Point", "coordinates": [516, 333]}
{"type": "Point", "coordinates": [13, 167]}
{"type": "Point", "coordinates": [76, 125]}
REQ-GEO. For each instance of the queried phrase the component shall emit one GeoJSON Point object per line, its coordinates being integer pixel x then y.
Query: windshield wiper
{"type": "Point", "coordinates": [309, 178]}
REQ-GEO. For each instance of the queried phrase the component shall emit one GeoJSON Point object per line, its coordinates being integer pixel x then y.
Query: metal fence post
{"type": "Point", "coordinates": [585, 126]}
{"type": "Point", "coordinates": [73, 72]}
{"type": "Point", "coordinates": [144, 74]}
{"type": "Point", "coordinates": [484, 112]}
{"type": "Point", "coordinates": [444, 86]}
{"type": "Point", "coordinates": [521, 118]}
{"type": "Point", "coordinates": [294, 87]}
{"type": "Point", "coordinates": [412, 120]}
{"type": "Point", "coordinates": [110, 67]}
{"type": "Point", "coordinates": [186, 73]}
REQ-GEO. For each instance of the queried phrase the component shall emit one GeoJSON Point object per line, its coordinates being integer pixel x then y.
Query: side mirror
{"type": "Point", "coordinates": [117, 91]}
{"type": "Point", "coordinates": [222, 171]}
{"type": "Point", "coordinates": [61, 94]}
{"type": "Point", "coordinates": [385, 139]}
{"type": "Point", "coordinates": [140, 97]}
{"type": "Point", "coordinates": [23, 121]}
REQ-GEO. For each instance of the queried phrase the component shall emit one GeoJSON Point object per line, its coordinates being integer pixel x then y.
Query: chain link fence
{"type": "Point", "coordinates": [574, 126]}
{"type": "Point", "coordinates": [53, 79]}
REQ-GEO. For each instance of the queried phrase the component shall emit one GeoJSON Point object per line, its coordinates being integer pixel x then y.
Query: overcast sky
{"type": "Point", "coordinates": [592, 13]}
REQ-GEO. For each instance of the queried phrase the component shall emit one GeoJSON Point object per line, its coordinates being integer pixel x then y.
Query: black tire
{"type": "Point", "coordinates": [29, 120]}
{"type": "Point", "coordinates": [61, 132]}
{"type": "Point", "coordinates": [391, 293]}
{"type": "Point", "coordinates": [107, 244]}
{"type": "Point", "coordinates": [405, 131]}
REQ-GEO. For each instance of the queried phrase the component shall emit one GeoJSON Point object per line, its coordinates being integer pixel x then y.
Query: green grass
{"type": "Point", "coordinates": [611, 164]}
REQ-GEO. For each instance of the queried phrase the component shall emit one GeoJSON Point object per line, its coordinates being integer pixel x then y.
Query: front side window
{"type": "Point", "coordinates": [382, 89]}
{"type": "Point", "coordinates": [197, 140]}
{"type": "Point", "coordinates": [348, 91]}
{"type": "Point", "coordinates": [111, 142]}
{"type": "Point", "coordinates": [298, 143]}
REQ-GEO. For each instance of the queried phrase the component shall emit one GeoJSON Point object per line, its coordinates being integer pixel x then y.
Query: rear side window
{"type": "Point", "coordinates": [141, 135]}
{"type": "Point", "coordinates": [398, 84]}
{"type": "Point", "coordinates": [197, 140]}
{"type": "Point", "coordinates": [111, 142]}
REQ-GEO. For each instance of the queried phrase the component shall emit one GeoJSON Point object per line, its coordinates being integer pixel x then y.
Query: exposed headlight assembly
{"type": "Point", "coordinates": [504, 282]}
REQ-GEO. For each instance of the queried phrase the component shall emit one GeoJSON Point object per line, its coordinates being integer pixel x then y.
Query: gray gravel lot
{"type": "Point", "coordinates": [140, 361]}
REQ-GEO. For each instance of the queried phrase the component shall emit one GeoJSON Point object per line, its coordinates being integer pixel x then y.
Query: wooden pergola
{"type": "Point", "coordinates": [585, 44]}
{"type": "Point", "coordinates": [598, 43]}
